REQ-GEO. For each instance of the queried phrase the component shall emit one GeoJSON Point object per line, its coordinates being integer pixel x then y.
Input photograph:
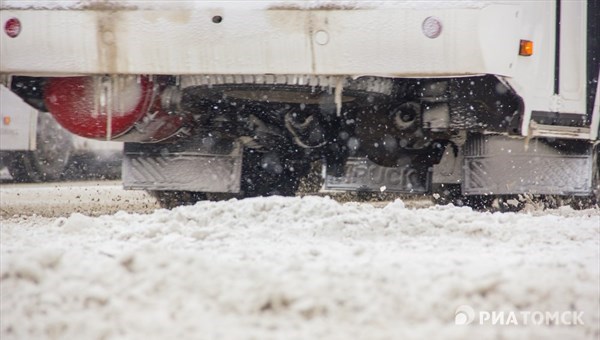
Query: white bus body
{"type": "Point", "coordinates": [433, 68]}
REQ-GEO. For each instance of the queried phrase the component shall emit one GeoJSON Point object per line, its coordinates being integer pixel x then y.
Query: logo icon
{"type": "Point", "coordinates": [464, 315]}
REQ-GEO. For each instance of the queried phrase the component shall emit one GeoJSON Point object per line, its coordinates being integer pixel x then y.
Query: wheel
{"type": "Point", "coordinates": [510, 203]}
{"type": "Point", "coordinates": [451, 193]}
{"type": "Point", "coordinates": [171, 199]}
{"type": "Point", "coordinates": [263, 174]}
{"type": "Point", "coordinates": [49, 160]}
{"type": "Point", "coordinates": [268, 174]}
{"type": "Point", "coordinates": [586, 202]}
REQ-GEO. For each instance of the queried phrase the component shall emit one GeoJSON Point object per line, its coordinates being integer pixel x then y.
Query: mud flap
{"type": "Point", "coordinates": [360, 174]}
{"type": "Point", "coordinates": [186, 168]}
{"type": "Point", "coordinates": [497, 165]}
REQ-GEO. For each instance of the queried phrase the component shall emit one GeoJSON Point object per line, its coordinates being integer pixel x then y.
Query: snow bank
{"type": "Point", "coordinates": [272, 268]}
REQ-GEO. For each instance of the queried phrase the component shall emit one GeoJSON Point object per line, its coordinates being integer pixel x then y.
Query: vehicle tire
{"type": "Point", "coordinates": [263, 174]}
{"type": "Point", "coordinates": [268, 174]}
{"type": "Point", "coordinates": [171, 199]}
{"type": "Point", "coordinates": [511, 203]}
{"type": "Point", "coordinates": [452, 194]}
{"type": "Point", "coordinates": [54, 146]}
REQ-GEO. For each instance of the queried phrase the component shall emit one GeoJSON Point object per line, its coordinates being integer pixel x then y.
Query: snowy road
{"type": "Point", "coordinates": [63, 198]}
{"type": "Point", "coordinates": [274, 268]}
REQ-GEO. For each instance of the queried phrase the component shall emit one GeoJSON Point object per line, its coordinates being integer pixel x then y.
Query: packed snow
{"type": "Point", "coordinates": [311, 268]}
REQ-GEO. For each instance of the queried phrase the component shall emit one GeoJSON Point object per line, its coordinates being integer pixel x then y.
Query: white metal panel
{"type": "Point", "coordinates": [595, 124]}
{"type": "Point", "coordinates": [572, 56]}
{"type": "Point", "coordinates": [261, 41]}
{"type": "Point", "coordinates": [392, 42]}
{"type": "Point", "coordinates": [59, 41]}
{"type": "Point", "coordinates": [534, 76]}
{"type": "Point", "coordinates": [192, 5]}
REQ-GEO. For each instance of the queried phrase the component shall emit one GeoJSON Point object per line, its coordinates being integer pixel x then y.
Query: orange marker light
{"type": "Point", "coordinates": [6, 120]}
{"type": "Point", "coordinates": [526, 48]}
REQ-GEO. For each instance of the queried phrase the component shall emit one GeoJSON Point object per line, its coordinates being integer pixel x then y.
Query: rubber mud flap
{"type": "Point", "coordinates": [183, 171]}
{"type": "Point", "coordinates": [360, 174]}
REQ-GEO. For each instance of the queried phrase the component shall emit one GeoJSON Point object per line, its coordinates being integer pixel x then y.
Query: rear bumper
{"type": "Point", "coordinates": [359, 41]}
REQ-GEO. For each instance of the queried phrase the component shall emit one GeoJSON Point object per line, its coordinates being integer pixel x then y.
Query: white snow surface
{"type": "Point", "coordinates": [291, 268]}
